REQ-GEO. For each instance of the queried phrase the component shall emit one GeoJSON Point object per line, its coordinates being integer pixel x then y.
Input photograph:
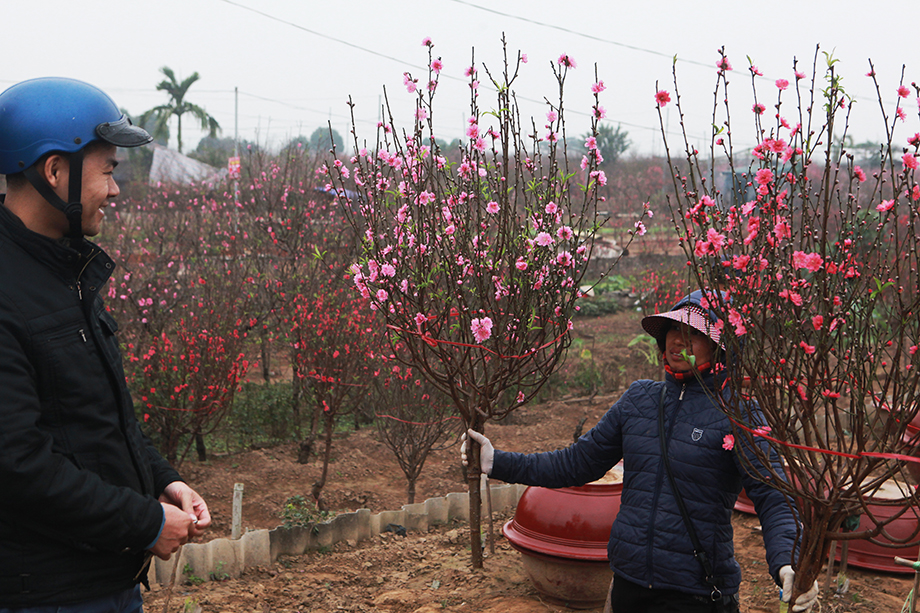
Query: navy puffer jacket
{"type": "Point", "coordinates": [649, 544]}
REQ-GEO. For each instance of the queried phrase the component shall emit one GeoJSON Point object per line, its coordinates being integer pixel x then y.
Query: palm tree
{"type": "Point", "coordinates": [177, 106]}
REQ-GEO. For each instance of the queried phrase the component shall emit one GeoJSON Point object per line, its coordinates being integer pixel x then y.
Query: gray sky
{"type": "Point", "coordinates": [296, 63]}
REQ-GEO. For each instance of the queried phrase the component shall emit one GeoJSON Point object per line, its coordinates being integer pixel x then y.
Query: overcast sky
{"type": "Point", "coordinates": [296, 62]}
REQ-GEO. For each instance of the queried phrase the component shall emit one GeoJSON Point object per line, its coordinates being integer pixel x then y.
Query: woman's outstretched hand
{"type": "Point", "coordinates": [486, 453]}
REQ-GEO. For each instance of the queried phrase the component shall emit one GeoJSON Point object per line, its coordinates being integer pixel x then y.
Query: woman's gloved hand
{"type": "Point", "coordinates": [486, 453]}
{"type": "Point", "coordinates": [805, 601]}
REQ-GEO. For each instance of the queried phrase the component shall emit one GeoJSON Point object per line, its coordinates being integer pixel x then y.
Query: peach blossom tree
{"type": "Point", "coordinates": [818, 259]}
{"type": "Point", "coordinates": [474, 267]}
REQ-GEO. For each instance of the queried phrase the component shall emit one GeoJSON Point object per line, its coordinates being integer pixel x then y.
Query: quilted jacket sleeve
{"type": "Point", "coordinates": [778, 515]}
{"type": "Point", "coordinates": [585, 461]}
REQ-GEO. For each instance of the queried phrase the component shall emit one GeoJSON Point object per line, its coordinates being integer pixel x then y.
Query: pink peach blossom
{"type": "Point", "coordinates": [481, 328]}
{"type": "Point", "coordinates": [565, 60]}
{"type": "Point", "coordinates": [662, 97]}
{"type": "Point", "coordinates": [763, 176]}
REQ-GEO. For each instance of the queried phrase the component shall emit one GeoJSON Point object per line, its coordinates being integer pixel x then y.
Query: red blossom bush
{"type": "Point", "coordinates": [333, 351]}
{"type": "Point", "coordinates": [182, 299]}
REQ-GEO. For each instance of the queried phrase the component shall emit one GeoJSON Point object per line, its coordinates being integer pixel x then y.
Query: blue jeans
{"type": "Point", "coordinates": [129, 601]}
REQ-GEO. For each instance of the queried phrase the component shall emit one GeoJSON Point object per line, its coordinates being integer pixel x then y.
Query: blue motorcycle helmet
{"type": "Point", "coordinates": [59, 115]}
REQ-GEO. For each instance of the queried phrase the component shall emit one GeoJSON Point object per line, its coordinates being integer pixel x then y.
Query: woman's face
{"type": "Point", "coordinates": [682, 340]}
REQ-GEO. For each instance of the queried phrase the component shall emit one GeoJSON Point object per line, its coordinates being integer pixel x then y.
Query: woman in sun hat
{"type": "Point", "coordinates": [651, 549]}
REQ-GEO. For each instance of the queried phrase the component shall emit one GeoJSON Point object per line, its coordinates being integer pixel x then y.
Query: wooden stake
{"type": "Point", "coordinates": [485, 483]}
{"type": "Point", "coordinates": [236, 527]}
{"type": "Point", "coordinates": [830, 566]}
{"type": "Point", "coordinates": [916, 567]}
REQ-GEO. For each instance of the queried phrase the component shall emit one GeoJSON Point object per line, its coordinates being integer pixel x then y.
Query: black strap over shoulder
{"type": "Point", "coordinates": [698, 550]}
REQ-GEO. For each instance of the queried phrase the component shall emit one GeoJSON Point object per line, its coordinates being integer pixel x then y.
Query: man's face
{"type": "Point", "coordinates": [682, 340]}
{"type": "Point", "coordinates": [98, 185]}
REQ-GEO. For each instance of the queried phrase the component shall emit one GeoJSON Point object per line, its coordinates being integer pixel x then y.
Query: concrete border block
{"type": "Point", "coordinates": [262, 547]}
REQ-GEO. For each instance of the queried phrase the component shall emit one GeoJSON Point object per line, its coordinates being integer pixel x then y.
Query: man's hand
{"type": "Point", "coordinates": [176, 529]}
{"type": "Point", "coordinates": [805, 601]}
{"type": "Point", "coordinates": [486, 451]}
{"type": "Point", "coordinates": [181, 495]}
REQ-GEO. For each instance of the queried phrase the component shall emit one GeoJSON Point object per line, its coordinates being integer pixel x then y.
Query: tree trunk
{"type": "Point", "coordinates": [296, 398]}
{"type": "Point", "coordinates": [317, 489]}
{"type": "Point", "coordinates": [200, 448]}
{"type": "Point", "coordinates": [266, 355]}
{"type": "Point", "coordinates": [410, 492]}
{"type": "Point", "coordinates": [815, 547]}
{"type": "Point", "coordinates": [179, 133]}
{"type": "Point", "coordinates": [305, 450]}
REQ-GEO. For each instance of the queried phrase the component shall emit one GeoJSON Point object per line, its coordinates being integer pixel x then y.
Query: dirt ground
{"type": "Point", "coordinates": [426, 573]}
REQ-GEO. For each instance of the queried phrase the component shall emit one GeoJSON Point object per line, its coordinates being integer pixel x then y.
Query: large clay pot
{"type": "Point", "coordinates": [563, 534]}
{"type": "Point", "coordinates": [910, 435]}
{"type": "Point", "coordinates": [863, 554]}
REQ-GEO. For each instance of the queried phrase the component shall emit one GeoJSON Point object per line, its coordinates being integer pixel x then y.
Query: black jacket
{"type": "Point", "coordinates": [78, 479]}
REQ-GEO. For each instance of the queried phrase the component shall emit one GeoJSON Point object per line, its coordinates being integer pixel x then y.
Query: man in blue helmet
{"type": "Point", "coordinates": [85, 499]}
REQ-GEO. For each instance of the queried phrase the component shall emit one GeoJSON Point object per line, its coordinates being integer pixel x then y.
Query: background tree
{"type": "Point", "coordinates": [413, 419]}
{"type": "Point", "coordinates": [611, 142]}
{"type": "Point", "coordinates": [217, 151]}
{"type": "Point", "coordinates": [821, 303]}
{"type": "Point", "coordinates": [177, 107]}
{"type": "Point", "coordinates": [321, 140]}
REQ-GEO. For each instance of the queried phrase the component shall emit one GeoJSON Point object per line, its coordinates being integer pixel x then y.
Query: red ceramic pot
{"type": "Point", "coordinates": [563, 534]}
{"type": "Point", "coordinates": [863, 554]}
{"type": "Point", "coordinates": [910, 435]}
{"type": "Point", "coordinates": [744, 504]}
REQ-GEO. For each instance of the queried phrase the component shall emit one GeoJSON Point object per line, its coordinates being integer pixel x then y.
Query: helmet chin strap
{"type": "Point", "coordinates": [73, 208]}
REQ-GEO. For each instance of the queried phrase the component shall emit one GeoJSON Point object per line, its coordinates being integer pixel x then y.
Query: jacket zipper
{"type": "Point", "coordinates": [88, 313]}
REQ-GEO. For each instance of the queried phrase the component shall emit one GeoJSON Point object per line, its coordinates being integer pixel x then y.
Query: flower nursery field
{"type": "Point", "coordinates": [426, 573]}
